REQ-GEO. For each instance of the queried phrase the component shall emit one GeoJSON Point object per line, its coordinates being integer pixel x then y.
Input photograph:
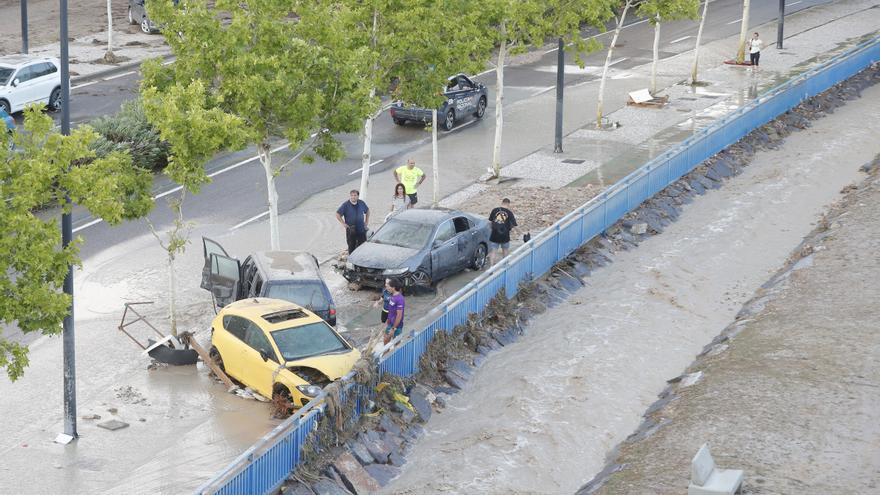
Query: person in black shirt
{"type": "Point", "coordinates": [503, 222]}
{"type": "Point", "coordinates": [354, 215]}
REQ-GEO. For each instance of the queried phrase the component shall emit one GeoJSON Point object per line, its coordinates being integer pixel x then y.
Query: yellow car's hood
{"type": "Point", "coordinates": [335, 366]}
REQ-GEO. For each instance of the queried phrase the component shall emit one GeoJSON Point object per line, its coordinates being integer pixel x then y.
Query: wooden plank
{"type": "Point", "coordinates": [210, 362]}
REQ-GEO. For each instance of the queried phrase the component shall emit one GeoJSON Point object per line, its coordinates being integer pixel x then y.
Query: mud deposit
{"type": "Point", "coordinates": [541, 414]}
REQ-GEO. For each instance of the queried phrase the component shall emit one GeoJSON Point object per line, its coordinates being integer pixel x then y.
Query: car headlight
{"type": "Point", "coordinates": [309, 390]}
{"type": "Point", "coordinates": [395, 271]}
{"type": "Point", "coordinates": [349, 265]}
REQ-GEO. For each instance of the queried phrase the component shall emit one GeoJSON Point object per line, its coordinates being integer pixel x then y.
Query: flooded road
{"type": "Point", "coordinates": [541, 414]}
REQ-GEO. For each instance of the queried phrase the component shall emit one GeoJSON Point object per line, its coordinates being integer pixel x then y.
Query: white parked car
{"type": "Point", "coordinates": [26, 79]}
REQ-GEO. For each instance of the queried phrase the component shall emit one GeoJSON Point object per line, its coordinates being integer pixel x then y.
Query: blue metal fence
{"type": "Point", "coordinates": [265, 466]}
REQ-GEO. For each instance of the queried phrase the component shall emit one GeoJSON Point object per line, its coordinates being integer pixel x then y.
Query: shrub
{"type": "Point", "coordinates": [129, 130]}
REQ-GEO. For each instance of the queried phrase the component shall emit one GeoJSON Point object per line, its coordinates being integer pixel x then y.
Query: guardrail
{"type": "Point", "coordinates": [265, 466]}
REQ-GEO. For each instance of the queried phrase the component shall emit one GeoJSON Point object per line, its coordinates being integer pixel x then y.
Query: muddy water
{"type": "Point", "coordinates": [540, 416]}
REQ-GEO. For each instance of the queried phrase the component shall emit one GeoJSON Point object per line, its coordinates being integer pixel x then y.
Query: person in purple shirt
{"type": "Point", "coordinates": [396, 305]}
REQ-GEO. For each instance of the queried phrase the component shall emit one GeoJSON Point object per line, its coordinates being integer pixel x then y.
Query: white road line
{"type": "Point", "coordinates": [681, 39]}
{"type": "Point", "coordinates": [93, 222]}
{"type": "Point", "coordinates": [370, 166]}
{"type": "Point", "coordinates": [542, 91]}
{"type": "Point", "coordinates": [84, 84]}
{"type": "Point", "coordinates": [618, 61]}
{"type": "Point", "coordinates": [793, 3]}
{"type": "Point", "coordinates": [734, 22]}
{"type": "Point", "coordinates": [167, 62]}
{"type": "Point", "coordinates": [249, 220]}
{"type": "Point", "coordinates": [470, 122]}
{"type": "Point", "coordinates": [117, 76]}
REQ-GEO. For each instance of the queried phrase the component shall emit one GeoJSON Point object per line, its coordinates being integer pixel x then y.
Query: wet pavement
{"type": "Point", "coordinates": [541, 414]}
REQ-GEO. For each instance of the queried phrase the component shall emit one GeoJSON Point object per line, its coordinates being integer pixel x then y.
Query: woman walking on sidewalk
{"type": "Point", "coordinates": [755, 45]}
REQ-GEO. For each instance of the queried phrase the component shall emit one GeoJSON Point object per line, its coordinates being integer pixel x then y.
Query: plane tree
{"type": "Point", "coordinates": [45, 168]}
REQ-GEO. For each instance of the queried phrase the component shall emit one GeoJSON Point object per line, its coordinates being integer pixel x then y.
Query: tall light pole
{"type": "Point", "coordinates": [560, 85]}
{"type": "Point", "coordinates": [66, 237]}
{"type": "Point", "coordinates": [24, 27]}
{"type": "Point", "coordinates": [780, 24]}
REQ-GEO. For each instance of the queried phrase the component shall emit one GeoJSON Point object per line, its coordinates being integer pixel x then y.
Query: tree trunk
{"type": "Point", "coordinates": [109, 27]}
{"type": "Point", "coordinates": [367, 156]}
{"type": "Point", "coordinates": [264, 151]}
{"type": "Point", "coordinates": [656, 55]}
{"type": "Point", "coordinates": [743, 33]}
{"type": "Point", "coordinates": [435, 165]}
{"type": "Point", "coordinates": [172, 291]}
{"type": "Point", "coordinates": [697, 47]}
{"type": "Point", "coordinates": [601, 98]}
{"type": "Point", "coordinates": [499, 98]}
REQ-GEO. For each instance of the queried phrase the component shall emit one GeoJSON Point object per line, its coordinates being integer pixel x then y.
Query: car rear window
{"type": "Point", "coordinates": [309, 295]}
{"type": "Point", "coordinates": [314, 339]}
{"type": "Point", "coordinates": [5, 74]}
{"type": "Point", "coordinates": [403, 234]}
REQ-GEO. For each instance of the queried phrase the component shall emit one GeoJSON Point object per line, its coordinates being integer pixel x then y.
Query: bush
{"type": "Point", "coordinates": [130, 131]}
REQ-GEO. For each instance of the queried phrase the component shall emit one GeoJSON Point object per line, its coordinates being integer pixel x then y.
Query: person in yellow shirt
{"type": "Point", "coordinates": [411, 177]}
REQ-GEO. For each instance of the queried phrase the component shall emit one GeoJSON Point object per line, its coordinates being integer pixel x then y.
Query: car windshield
{"type": "Point", "coordinates": [309, 295]}
{"type": "Point", "coordinates": [403, 234]}
{"type": "Point", "coordinates": [304, 341]}
{"type": "Point", "coordinates": [5, 74]}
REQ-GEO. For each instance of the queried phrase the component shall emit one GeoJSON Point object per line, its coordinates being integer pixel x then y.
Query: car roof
{"type": "Point", "coordinates": [288, 265]}
{"type": "Point", "coordinates": [427, 215]}
{"type": "Point", "coordinates": [20, 60]}
{"type": "Point", "coordinates": [257, 308]}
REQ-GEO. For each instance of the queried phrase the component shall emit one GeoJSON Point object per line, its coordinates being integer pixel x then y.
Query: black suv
{"type": "Point", "coordinates": [294, 276]}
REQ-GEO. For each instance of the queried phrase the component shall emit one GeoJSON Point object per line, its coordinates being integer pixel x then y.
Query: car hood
{"type": "Point", "coordinates": [335, 366]}
{"type": "Point", "coordinates": [383, 256]}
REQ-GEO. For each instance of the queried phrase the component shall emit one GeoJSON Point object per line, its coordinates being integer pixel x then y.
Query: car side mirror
{"type": "Point", "coordinates": [16, 82]}
{"type": "Point", "coordinates": [264, 355]}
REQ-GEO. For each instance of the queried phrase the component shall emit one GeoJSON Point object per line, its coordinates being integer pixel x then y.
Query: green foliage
{"type": "Point", "coordinates": [669, 10]}
{"type": "Point", "coordinates": [130, 131]}
{"type": "Point", "coordinates": [45, 168]}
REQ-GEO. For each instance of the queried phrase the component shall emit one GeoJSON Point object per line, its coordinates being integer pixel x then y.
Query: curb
{"type": "Point", "coordinates": [101, 74]}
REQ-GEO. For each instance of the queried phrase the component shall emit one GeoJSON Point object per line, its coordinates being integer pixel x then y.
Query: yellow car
{"type": "Point", "coordinates": [278, 348]}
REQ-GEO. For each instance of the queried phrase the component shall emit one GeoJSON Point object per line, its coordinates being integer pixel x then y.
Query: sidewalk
{"type": "Point", "coordinates": [192, 428]}
{"type": "Point", "coordinates": [792, 397]}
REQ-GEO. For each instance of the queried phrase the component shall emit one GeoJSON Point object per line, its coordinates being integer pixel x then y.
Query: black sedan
{"type": "Point", "coordinates": [463, 97]}
{"type": "Point", "coordinates": [420, 247]}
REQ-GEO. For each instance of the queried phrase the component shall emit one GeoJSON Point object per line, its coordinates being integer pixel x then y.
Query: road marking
{"type": "Point", "coordinates": [93, 222]}
{"type": "Point", "coordinates": [85, 84]}
{"type": "Point", "coordinates": [793, 3]}
{"type": "Point", "coordinates": [249, 220]}
{"type": "Point", "coordinates": [168, 62]}
{"type": "Point", "coordinates": [461, 126]}
{"type": "Point", "coordinates": [681, 39]}
{"type": "Point", "coordinates": [543, 91]}
{"type": "Point", "coordinates": [119, 75]}
{"type": "Point", "coordinates": [734, 22]}
{"type": "Point", "coordinates": [618, 61]}
{"type": "Point", "coordinates": [369, 166]}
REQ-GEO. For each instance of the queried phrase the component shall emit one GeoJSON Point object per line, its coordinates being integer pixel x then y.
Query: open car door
{"type": "Point", "coordinates": [210, 247]}
{"type": "Point", "coordinates": [224, 279]}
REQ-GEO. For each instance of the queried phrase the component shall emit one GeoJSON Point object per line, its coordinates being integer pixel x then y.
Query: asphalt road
{"type": "Point", "coordinates": [236, 195]}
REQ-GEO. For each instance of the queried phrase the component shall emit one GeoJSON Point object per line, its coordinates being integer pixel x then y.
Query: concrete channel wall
{"type": "Point", "coordinates": [266, 465]}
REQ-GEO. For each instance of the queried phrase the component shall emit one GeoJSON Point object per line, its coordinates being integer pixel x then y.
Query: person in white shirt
{"type": "Point", "coordinates": [755, 45]}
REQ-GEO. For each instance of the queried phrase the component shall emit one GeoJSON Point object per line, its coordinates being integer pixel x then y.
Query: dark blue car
{"type": "Point", "coordinates": [463, 97]}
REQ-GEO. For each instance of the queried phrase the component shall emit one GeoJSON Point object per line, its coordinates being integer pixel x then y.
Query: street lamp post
{"type": "Point", "coordinates": [781, 24]}
{"type": "Point", "coordinates": [24, 27]}
{"type": "Point", "coordinates": [66, 237]}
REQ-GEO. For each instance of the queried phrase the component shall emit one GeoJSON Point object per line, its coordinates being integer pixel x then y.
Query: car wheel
{"type": "Point", "coordinates": [214, 354]}
{"type": "Point", "coordinates": [479, 260]}
{"type": "Point", "coordinates": [55, 100]}
{"type": "Point", "coordinates": [6, 106]}
{"type": "Point", "coordinates": [449, 121]}
{"type": "Point", "coordinates": [399, 121]}
{"type": "Point", "coordinates": [145, 26]}
{"type": "Point", "coordinates": [131, 17]}
{"type": "Point", "coordinates": [420, 278]}
{"type": "Point", "coordinates": [481, 108]}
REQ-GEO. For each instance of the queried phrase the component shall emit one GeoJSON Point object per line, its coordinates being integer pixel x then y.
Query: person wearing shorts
{"type": "Point", "coordinates": [396, 305]}
{"type": "Point", "coordinates": [503, 222]}
{"type": "Point", "coordinates": [411, 177]}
